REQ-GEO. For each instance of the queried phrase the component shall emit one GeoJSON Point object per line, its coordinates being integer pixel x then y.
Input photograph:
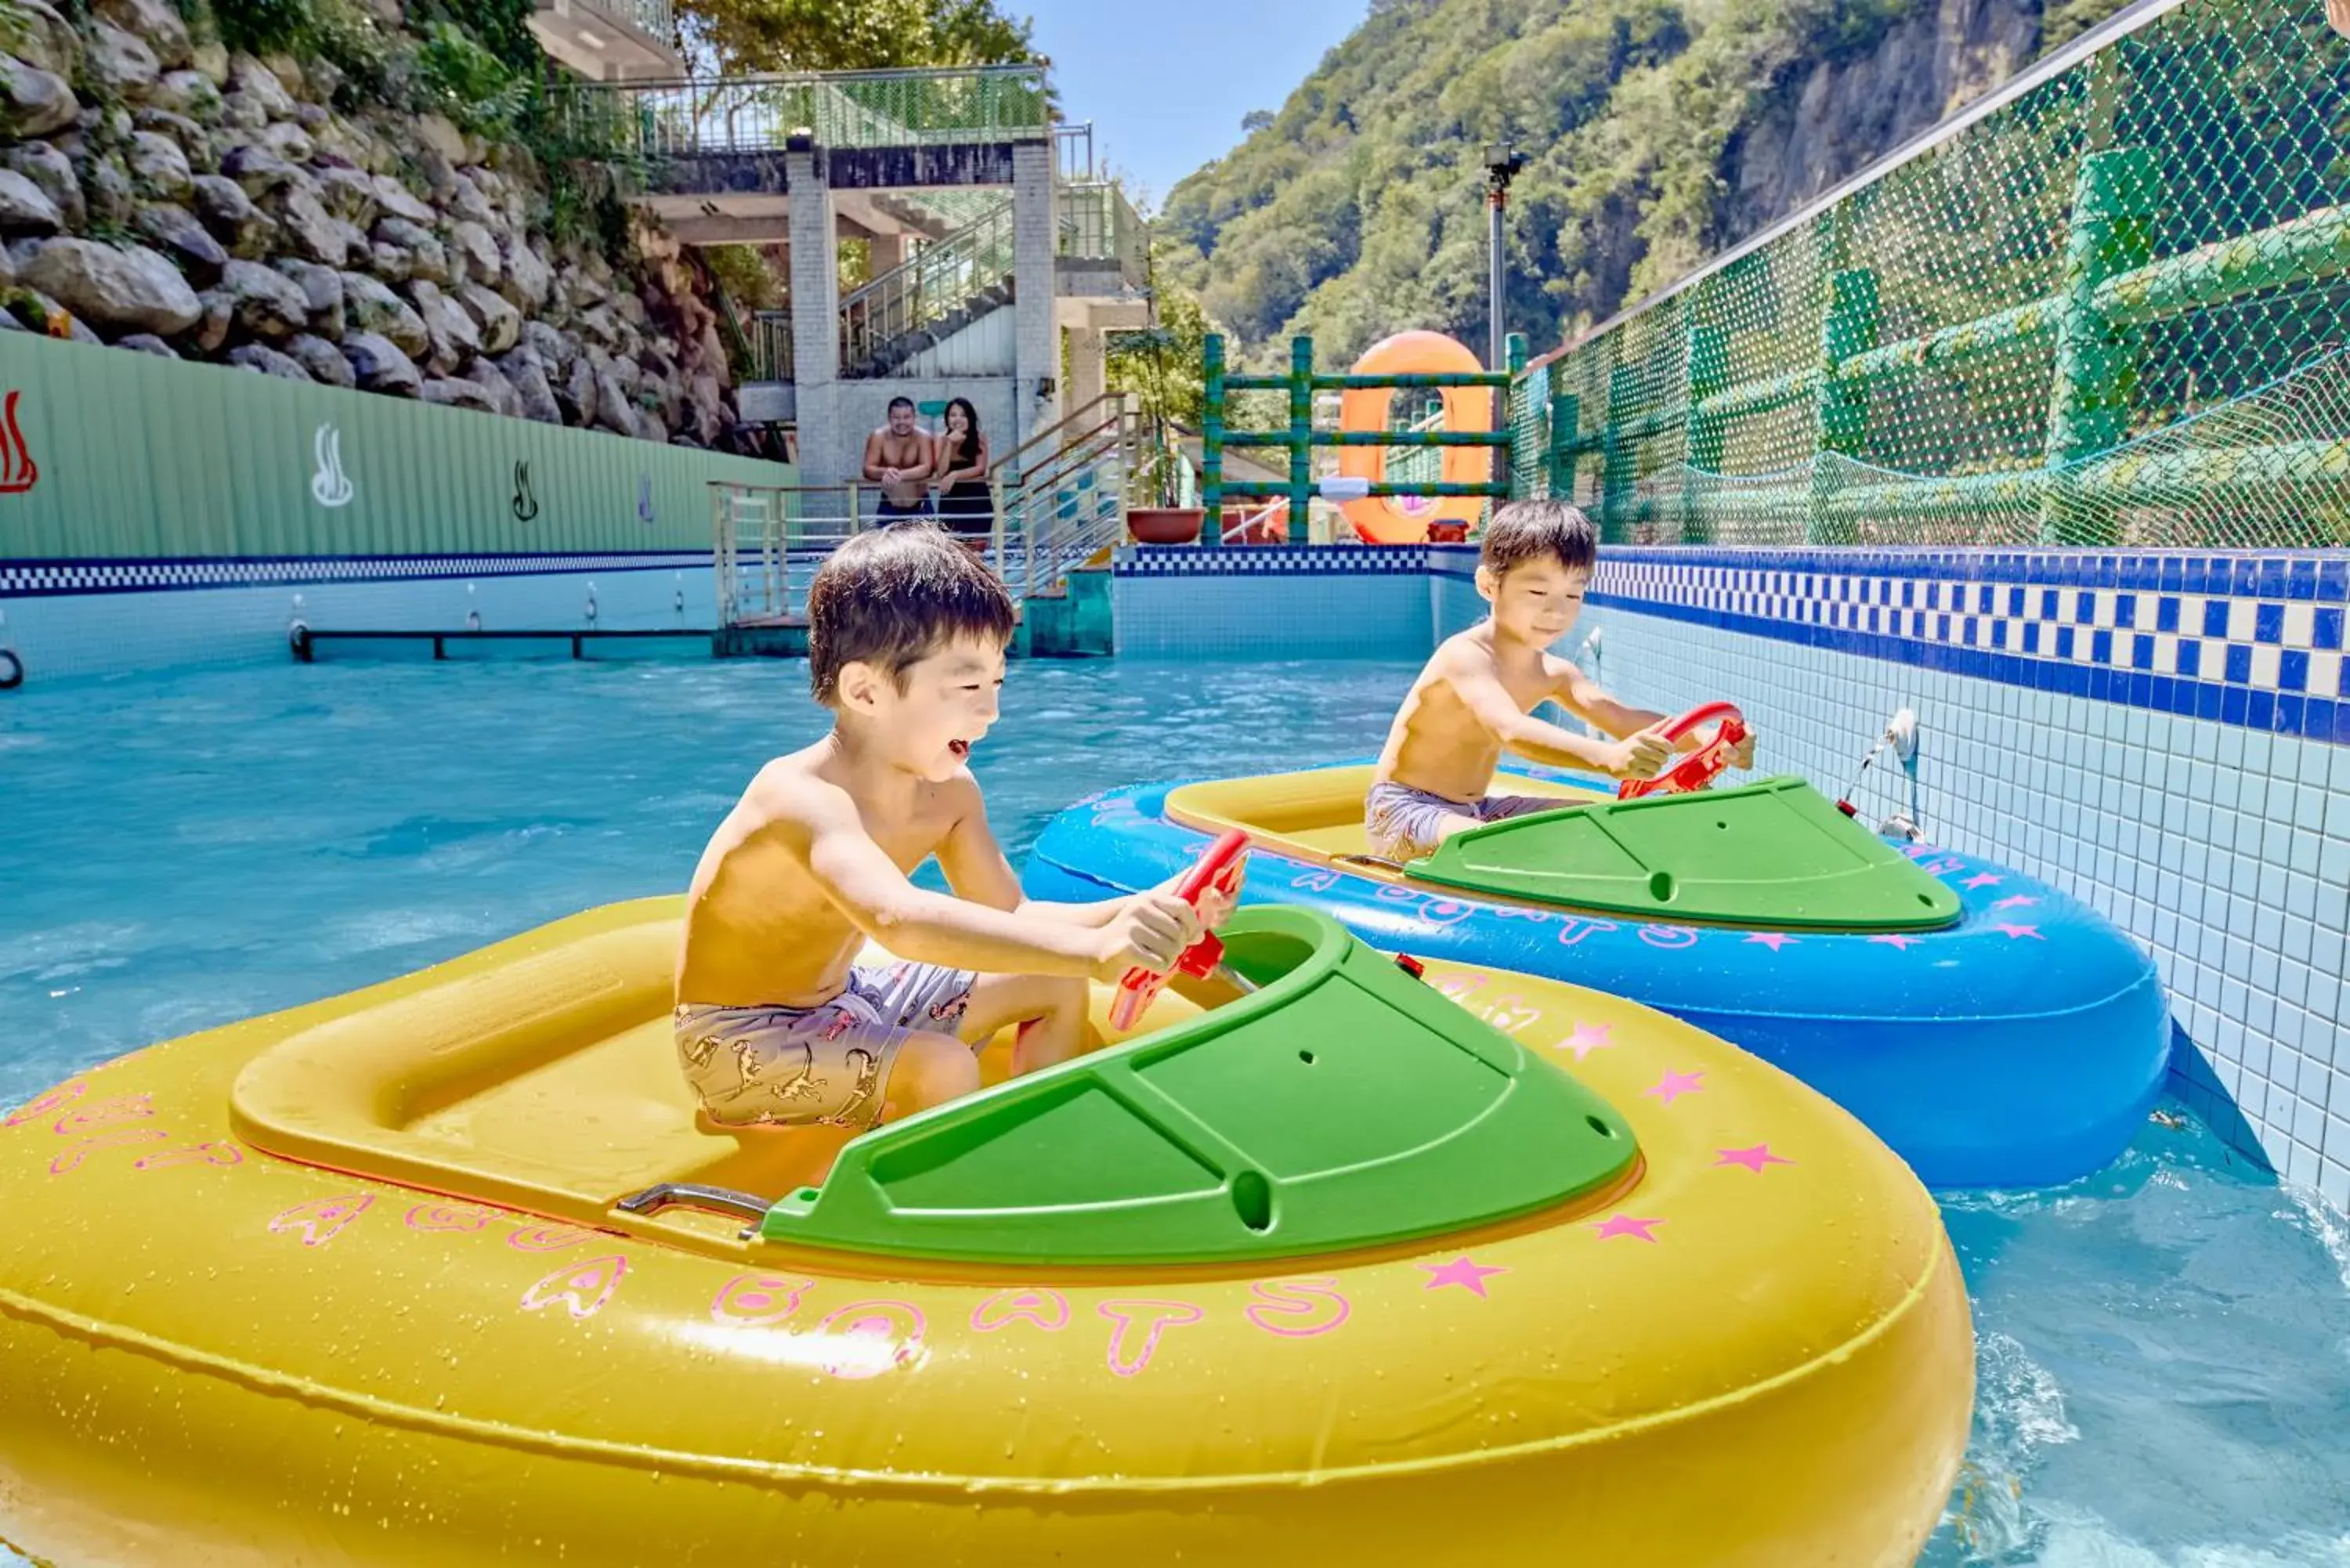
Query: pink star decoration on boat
{"type": "Point", "coordinates": [2015, 901]}
{"type": "Point", "coordinates": [1904, 943]}
{"type": "Point", "coordinates": [1617, 1225]}
{"type": "Point", "coordinates": [1674, 1085]}
{"type": "Point", "coordinates": [1586, 1038]}
{"type": "Point", "coordinates": [1459, 1271]}
{"type": "Point", "coordinates": [1754, 1159]}
{"type": "Point", "coordinates": [1774, 941]}
{"type": "Point", "coordinates": [1981, 879]}
{"type": "Point", "coordinates": [2016, 932]}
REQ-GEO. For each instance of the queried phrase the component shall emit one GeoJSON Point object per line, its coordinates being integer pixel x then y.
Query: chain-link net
{"type": "Point", "coordinates": [2110, 311]}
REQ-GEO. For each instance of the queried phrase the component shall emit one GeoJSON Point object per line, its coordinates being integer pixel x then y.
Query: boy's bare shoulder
{"type": "Point", "coordinates": [792, 792]}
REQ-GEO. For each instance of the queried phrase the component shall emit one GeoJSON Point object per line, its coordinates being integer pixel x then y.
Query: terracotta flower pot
{"type": "Point", "coordinates": [1165, 524]}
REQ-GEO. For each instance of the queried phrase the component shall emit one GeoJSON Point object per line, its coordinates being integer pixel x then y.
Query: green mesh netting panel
{"type": "Point", "coordinates": [2112, 311]}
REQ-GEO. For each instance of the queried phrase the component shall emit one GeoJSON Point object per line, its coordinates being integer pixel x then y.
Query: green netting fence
{"type": "Point", "coordinates": [2110, 306]}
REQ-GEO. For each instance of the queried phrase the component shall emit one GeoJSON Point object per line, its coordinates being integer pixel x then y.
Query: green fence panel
{"type": "Point", "coordinates": [139, 458]}
{"type": "Point", "coordinates": [2111, 306]}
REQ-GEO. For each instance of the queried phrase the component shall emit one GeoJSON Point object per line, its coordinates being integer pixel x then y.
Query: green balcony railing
{"type": "Point", "coordinates": [1098, 224]}
{"type": "Point", "coordinates": [838, 109]}
{"type": "Point", "coordinates": [2109, 305]}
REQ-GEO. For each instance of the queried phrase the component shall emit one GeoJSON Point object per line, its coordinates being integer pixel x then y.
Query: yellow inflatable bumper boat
{"type": "Point", "coordinates": [1319, 1268]}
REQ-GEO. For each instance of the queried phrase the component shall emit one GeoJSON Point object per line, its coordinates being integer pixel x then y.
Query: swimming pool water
{"type": "Point", "coordinates": [2164, 1347]}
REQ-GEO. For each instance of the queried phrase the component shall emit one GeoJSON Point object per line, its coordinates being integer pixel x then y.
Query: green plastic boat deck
{"type": "Point", "coordinates": [1343, 1104]}
{"type": "Point", "coordinates": [1777, 854]}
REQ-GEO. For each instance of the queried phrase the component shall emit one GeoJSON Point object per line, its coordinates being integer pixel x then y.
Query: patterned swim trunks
{"type": "Point", "coordinates": [797, 1066]}
{"type": "Point", "coordinates": [1404, 824]}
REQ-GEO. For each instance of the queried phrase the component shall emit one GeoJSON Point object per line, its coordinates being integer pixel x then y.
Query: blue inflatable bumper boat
{"type": "Point", "coordinates": [1996, 1032]}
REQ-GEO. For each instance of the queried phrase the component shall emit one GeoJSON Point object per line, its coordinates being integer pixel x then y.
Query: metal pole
{"type": "Point", "coordinates": [1211, 444]}
{"type": "Point", "coordinates": [1495, 200]}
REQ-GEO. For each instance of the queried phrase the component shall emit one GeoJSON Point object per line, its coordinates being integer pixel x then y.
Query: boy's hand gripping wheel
{"type": "Point", "coordinates": [1698, 768]}
{"type": "Point", "coordinates": [1222, 868]}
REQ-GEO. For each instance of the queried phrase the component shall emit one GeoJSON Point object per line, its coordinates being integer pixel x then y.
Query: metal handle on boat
{"type": "Point", "coordinates": [689, 1195]}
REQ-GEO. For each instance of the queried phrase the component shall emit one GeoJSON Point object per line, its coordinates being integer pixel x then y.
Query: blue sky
{"type": "Point", "coordinates": [1166, 87]}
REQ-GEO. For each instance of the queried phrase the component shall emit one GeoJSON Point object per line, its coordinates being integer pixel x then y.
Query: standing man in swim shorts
{"type": "Point", "coordinates": [898, 459]}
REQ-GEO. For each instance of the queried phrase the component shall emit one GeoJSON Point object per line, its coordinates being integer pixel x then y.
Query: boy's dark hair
{"type": "Point", "coordinates": [895, 404]}
{"type": "Point", "coordinates": [894, 596]}
{"type": "Point", "coordinates": [1524, 531]}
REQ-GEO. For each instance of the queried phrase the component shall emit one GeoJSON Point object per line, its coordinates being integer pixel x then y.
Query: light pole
{"type": "Point", "coordinates": [1502, 163]}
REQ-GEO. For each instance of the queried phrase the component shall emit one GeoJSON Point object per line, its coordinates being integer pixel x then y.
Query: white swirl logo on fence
{"type": "Point", "coordinates": [330, 486]}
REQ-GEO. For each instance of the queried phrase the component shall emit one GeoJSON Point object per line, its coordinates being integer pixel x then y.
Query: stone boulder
{"type": "Point", "coordinates": [313, 233]}
{"type": "Point", "coordinates": [426, 260]}
{"type": "Point", "coordinates": [257, 171]}
{"type": "Point", "coordinates": [119, 64]}
{"type": "Point", "coordinates": [147, 343]}
{"type": "Point", "coordinates": [130, 287]}
{"type": "Point", "coordinates": [210, 335]}
{"type": "Point", "coordinates": [455, 338]}
{"type": "Point", "coordinates": [555, 352]}
{"type": "Point", "coordinates": [231, 215]}
{"type": "Point", "coordinates": [157, 23]}
{"type": "Point", "coordinates": [189, 245]}
{"type": "Point", "coordinates": [195, 146]}
{"type": "Point", "coordinates": [33, 103]}
{"type": "Point", "coordinates": [397, 201]}
{"type": "Point", "coordinates": [188, 93]}
{"type": "Point", "coordinates": [388, 263]}
{"type": "Point", "coordinates": [370, 307]}
{"type": "Point", "coordinates": [504, 398]}
{"type": "Point", "coordinates": [377, 366]}
{"type": "Point", "coordinates": [615, 410]}
{"type": "Point", "coordinates": [527, 279]}
{"type": "Point", "coordinates": [501, 323]}
{"type": "Point", "coordinates": [258, 82]}
{"type": "Point", "coordinates": [479, 251]}
{"type": "Point", "coordinates": [105, 186]}
{"type": "Point", "coordinates": [575, 394]}
{"type": "Point", "coordinates": [48, 42]}
{"type": "Point", "coordinates": [269, 304]}
{"type": "Point", "coordinates": [25, 208]}
{"type": "Point", "coordinates": [349, 194]}
{"type": "Point", "coordinates": [268, 362]}
{"type": "Point", "coordinates": [455, 392]}
{"type": "Point", "coordinates": [52, 171]}
{"type": "Point", "coordinates": [322, 288]}
{"type": "Point", "coordinates": [526, 373]}
{"type": "Point", "coordinates": [323, 361]}
{"type": "Point", "coordinates": [158, 168]}
{"type": "Point", "coordinates": [287, 140]}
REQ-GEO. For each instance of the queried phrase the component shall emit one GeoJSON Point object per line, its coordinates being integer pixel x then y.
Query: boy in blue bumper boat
{"type": "Point", "coordinates": [776, 1024]}
{"type": "Point", "coordinates": [1475, 699]}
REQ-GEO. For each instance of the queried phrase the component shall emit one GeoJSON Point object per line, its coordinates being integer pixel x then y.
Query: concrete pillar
{"type": "Point", "coordinates": [1088, 369]}
{"type": "Point", "coordinates": [1037, 356]}
{"type": "Point", "coordinates": [816, 315]}
{"type": "Point", "coordinates": [887, 253]}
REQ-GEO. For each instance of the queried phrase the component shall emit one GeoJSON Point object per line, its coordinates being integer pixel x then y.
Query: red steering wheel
{"type": "Point", "coordinates": [1701, 766]}
{"type": "Point", "coordinates": [1222, 868]}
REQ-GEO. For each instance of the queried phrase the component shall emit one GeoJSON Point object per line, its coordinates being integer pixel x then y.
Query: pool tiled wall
{"type": "Point", "coordinates": [117, 617]}
{"type": "Point", "coordinates": [2158, 734]}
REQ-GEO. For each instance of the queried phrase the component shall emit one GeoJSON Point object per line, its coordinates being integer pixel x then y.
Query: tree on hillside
{"type": "Point", "coordinates": [852, 35]}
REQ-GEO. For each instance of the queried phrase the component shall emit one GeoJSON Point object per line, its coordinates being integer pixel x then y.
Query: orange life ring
{"type": "Point", "coordinates": [1403, 519]}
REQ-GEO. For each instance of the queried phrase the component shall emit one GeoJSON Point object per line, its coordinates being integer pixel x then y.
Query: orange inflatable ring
{"type": "Point", "coordinates": [1405, 519]}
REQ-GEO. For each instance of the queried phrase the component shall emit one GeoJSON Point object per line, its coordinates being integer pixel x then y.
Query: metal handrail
{"type": "Point", "coordinates": [928, 286]}
{"type": "Point", "coordinates": [763, 113]}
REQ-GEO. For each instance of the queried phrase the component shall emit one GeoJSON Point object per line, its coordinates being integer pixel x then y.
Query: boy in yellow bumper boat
{"type": "Point", "coordinates": [1332, 1263]}
{"type": "Point", "coordinates": [778, 1026]}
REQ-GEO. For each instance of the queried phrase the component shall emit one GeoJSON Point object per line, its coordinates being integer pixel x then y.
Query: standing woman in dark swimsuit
{"type": "Point", "coordinates": [966, 506]}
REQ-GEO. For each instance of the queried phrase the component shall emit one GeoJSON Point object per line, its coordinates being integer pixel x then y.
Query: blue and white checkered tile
{"type": "Point", "coordinates": [1269, 560]}
{"type": "Point", "coordinates": [2255, 640]}
{"type": "Point", "coordinates": [46, 579]}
